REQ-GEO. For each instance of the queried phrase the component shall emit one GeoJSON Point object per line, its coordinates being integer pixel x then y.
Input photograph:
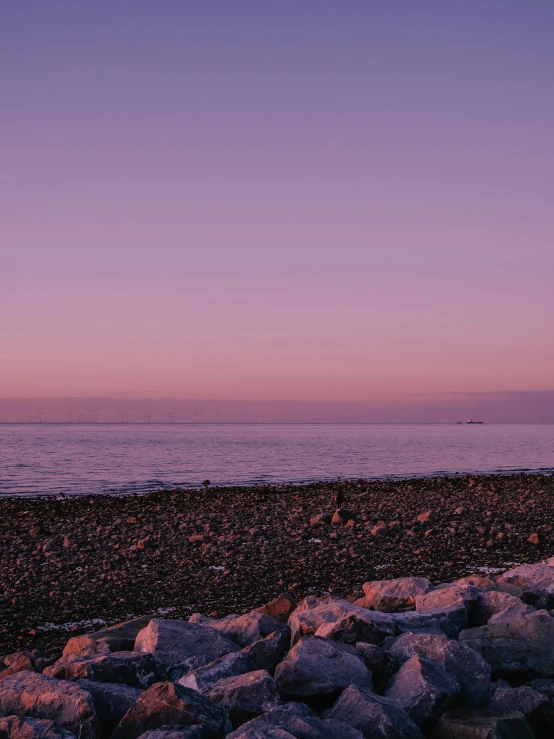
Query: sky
{"type": "Point", "coordinates": [305, 202]}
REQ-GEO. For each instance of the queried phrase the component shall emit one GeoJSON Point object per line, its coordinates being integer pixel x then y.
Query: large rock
{"type": "Point", "coordinates": [380, 663]}
{"type": "Point", "coordinates": [243, 630]}
{"type": "Point", "coordinates": [128, 668]}
{"type": "Point", "coordinates": [445, 596]}
{"type": "Point", "coordinates": [245, 696]}
{"type": "Point", "coordinates": [376, 717]}
{"type": "Point", "coordinates": [279, 608]}
{"type": "Point", "coordinates": [424, 690]}
{"type": "Point", "coordinates": [17, 727]}
{"type": "Point", "coordinates": [313, 613]}
{"type": "Point", "coordinates": [489, 603]}
{"type": "Point", "coordinates": [170, 704]}
{"type": "Point", "coordinates": [38, 696]}
{"type": "Point", "coordinates": [296, 720]}
{"type": "Point", "coordinates": [178, 641]}
{"type": "Point", "coordinates": [535, 706]}
{"type": "Point", "coordinates": [485, 724]}
{"type": "Point", "coordinates": [469, 668]}
{"type": "Point", "coordinates": [111, 702]}
{"type": "Point", "coordinates": [178, 732]}
{"type": "Point", "coordinates": [21, 663]}
{"type": "Point", "coordinates": [118, 638]}
{"type": "Point", "coordinates": [520, 648]}
{"type": "Point", "coordinates": [317, 668]}
{"type": "Point", "coordinates": [543, 685]}
{"type": "Point", "coordinates": [428, 623]}
{"type": "Point", "coordinates": [537, 582]}
{"type": "Point", "coordinates": [264, 654]}
{"type": "Point", "coordinates": [395, 595]}
{"type": "Point", "coordinates": [356, 627]}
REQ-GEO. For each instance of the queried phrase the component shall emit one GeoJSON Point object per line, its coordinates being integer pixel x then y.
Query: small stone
{"type": "Point", "coordinates": [534, 539]}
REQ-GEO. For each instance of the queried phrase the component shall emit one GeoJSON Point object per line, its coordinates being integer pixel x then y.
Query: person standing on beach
{"type": "Point", "coordinates": [339, 499]}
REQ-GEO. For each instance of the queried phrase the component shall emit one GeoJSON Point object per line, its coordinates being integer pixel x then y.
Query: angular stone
{"type": "Point", "coordinates": [424, 690]}
{"type": "Point", "coordinates": [128, 668]}
{"type": "Point", "coordinates": [427, 623]}
{"type": "Point", "coordinates": [178, 732]}
{"type": "Point", "coordinates": [376, 717]}
{"type": "Point", "coordinates": [264, 654]}
{"type": "Point", "coordinates": [356, 627]}
{"type": "Point", "coordinates": [520, 648]}
{"type": "Point", "coordinates": [38, 696]}
{"type": "Point", "coordinates": [489, 604]}
{"type": "Point", "coordinates": [321, 519]}
{"type": "Point", "coordinates": [341, 515]}
{"type": "Point", "coordinates": [20, 663]}
{"type": "Point", "coordinates": [543, 685]}
{"type": "Point", "coordinates": [381, 665]}
{"type": "Point", "coordinates": [279, 608]}
{"type": "Point", "coordinates": [177, 641]}
{"type": "Point", "coordinates": [485, 724]}
{"type": "Point", "coordinates": [111, 702]}
{"type": "Point", "coordinates": [242, 630]}
{"type": "Point", "coordinates": [118, 638]}
{"type": "Point", "coordinates": [312, 613]}
{"type": "Point", "coordinates": [535, 706]}
{"type": "Point", "coordinates": [395, 595]}
{"type": "Point", "coordinates": [245, 696]}
{"type": "Point", "coordinates": [17, 727]}
{"type": "Point", "coordinates": [294, 719]}
{"type": "Point", "coordinates": [317, 668]}
{"type": "Point", "coordinates": [464, 664]}
{"type": "Point", "coordinates": [170, 704]}
{"type": "Point", "coordinates": [537, 582]}
{"type": "Point", "coordinates": [446, 596]}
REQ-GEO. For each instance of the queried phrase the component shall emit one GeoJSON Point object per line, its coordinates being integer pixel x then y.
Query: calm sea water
{"type": "Point", "coordinates": [84, 459]}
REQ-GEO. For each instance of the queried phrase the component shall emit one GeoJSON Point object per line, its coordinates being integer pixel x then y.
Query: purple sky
{"type": "Point", "coordinates": [301, 201]}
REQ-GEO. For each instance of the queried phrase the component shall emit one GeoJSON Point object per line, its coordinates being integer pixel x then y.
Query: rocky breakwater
{"type": "Point", "coordinates": [470, 658]}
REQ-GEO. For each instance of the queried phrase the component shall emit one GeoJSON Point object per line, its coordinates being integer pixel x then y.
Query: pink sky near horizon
{"type": "Point", "coordinates": [318, 203]}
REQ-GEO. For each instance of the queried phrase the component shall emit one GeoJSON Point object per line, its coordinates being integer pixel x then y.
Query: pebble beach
{"type": "Point", "coordinates": [72, 564]}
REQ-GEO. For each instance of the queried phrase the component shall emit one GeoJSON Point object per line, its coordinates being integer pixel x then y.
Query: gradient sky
{"type": "Point", "coordinates": [301, 200]}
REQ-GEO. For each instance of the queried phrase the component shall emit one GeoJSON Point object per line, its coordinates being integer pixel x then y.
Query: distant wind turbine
{"type": "Point", "coordinates": [263, 416]}
{"type": "Point", "coordinates": [30, 417]}
{"type": "Point", "coordinates": [95, 414]}
{"type": "Point", "coordinates": [170, 414]}
{"type": "Point", "coordinates": [306, 417]}
{"type": "Point", "coordinates": [79, 414]}
{"type": "Point", "coordinates": [123, 414]}
{"type": "Point", "coordinates": [70, 414]}
{"type": "Point", "coordinates": [198, 414]}
{"type": "Point", "coordinates": [40, 414]}
{"type": "Point", "coordinates": [218, 417]}
{"type": "Point", "coordinates": [148, 414]}
{"type": "Point", "coordinates": [242, 415]}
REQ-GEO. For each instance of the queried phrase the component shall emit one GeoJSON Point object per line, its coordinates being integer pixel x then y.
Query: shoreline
{"type": "Point", "coordinates": [71, 559]}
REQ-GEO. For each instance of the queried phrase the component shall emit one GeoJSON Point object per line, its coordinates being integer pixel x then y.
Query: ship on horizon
{"type": "Point", "coordinates": [471, 421]}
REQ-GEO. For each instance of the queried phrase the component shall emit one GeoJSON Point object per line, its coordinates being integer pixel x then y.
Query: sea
{"type": "Point", "coordinates": [86, 459]}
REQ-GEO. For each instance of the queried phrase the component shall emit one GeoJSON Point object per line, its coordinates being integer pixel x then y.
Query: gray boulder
{"type": "Point", "coordinates": [367, 627]}
{"type": "Point", "coordinates": [178, 641]}
{"type": "Point", "coordinates": [489, 604]}
{"type": "Point", "coordinates": [317, 669]}
{"type": "Point", "coordinates": [297, 720]}
{"type": "Point", "coordinates": [129, 668]}
{"type": "Point", "coordinates": [17, 727]}
{"type": "Point", "coordinates": [264, 654]}
{"type": "Point", "coordinates": [111, 702]}
{"type": "Point", "coordinates": [469, 723]}
{"type": "Point", "coordinates": [424, 690]}
{"type": "Point", "coordinates": [376, 717]}
{"type": "Point", "coordinates": [313, 613]}
{"type": "Point", "coordinates": [169, 704]}
{"type": "Point", "coordinates": [395, 595]}
{"type": "Point", "coordinates": [428, 623]}
{"type": "Point", "coordinates": [537, 582]}
{"type": "Point", "coordinates": [197, 731]}
{"type": "Point", "coordinates": [535, 706]}
{"type": "Point", "coordinates": [38, 696]}
{"type": "Point", "coordinates": [543, 685]}
{"type": "Point", "coordinates": [242, 630]}
{"type": "Point", "coordinates": [466, 665]}
{"type": "Point", "coordinates": [245, 696]}
{"type": "Point", "coordinates": [379, 662]}
{"type": "Point", "coordinates": [520, 648]}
